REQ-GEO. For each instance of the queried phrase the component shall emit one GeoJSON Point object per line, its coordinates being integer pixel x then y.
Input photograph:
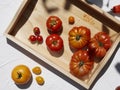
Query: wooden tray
{"type": "Point", "coordinates": [35, 13]}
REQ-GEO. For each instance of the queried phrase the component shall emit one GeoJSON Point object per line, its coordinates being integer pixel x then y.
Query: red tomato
{"type": "Point", "coordinates": [32, 38]}
{"type": "Point", "coordinates": [116, 9]}
{"type": "Point", "coordinates": [99, 44]}
{"type": "Point", "coordinates": [39, 39]}
{"type": "Point", "coordinates": [54, 24]}
{"type": "Point", "coordinates": [54, 42]}
{"type": "Point", "coordinates": [80, 64]}
{"type": "Point", "coordinates": [36, 30]}
{"type": "Point", "coordinates": [79, 37]}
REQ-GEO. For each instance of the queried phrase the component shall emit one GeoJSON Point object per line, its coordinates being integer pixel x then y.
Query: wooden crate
{"type": "Point", "coordinates": [35, 13]}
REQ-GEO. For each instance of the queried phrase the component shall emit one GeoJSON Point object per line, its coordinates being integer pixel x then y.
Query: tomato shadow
{"type": "Point", "coordinates": [27, 85]}
{"type": "Point", "coordinates": [56, 53]}
{"type": "Point", "coordinates": [59, 33]}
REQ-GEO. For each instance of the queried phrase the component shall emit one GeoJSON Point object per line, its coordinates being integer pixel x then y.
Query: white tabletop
{"type": "Point", "coordinates": [11, 57]}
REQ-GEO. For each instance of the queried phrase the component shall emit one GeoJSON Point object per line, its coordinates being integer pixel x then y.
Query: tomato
{"type": "Point", "coordinates": [32, 38]}
{"type": "Point", "coordinates": [71, 20]}
{"type": "Point", "coordinates": [116, 9]}
{"type": "Point", "coordinates": [21, 74]}
{"type": "Point", "coordinates": [54, 24]}
{"type": "Point", "coordinates": [40, 80]}
{"type": "Point", "coordinates": [79, 37]}
{"type": "Point", "coordinates": [54, 42]}
{"type": "Point", "coordinates": [36, 30]}
{"type": "Point", "coordinates": [36, 70]}
{"type": "Point", "coordinates": [99, 44]}
{"type": "Point", "coordinates": [39, 39]}
{"type": "Point", "coordinates": [80, 64]}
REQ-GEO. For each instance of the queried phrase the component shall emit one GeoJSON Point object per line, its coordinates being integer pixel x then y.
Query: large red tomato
{"type": "Point", "coordinates": [100, 43]}
{"type": "Point", "coordinates": [54, 24]}
{"type": "Point", "coordinates": [54, 42]}
{"type": "Point", "coordinates": [79, 37]}
{"type": "Point", "coordinates": [80, 64]}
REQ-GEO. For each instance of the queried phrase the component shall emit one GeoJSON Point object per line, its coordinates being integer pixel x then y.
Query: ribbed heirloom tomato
{"type": "Point", "coordinates": [99, 44]}
{"type": "Point", "coordinates": [80, 64]}
{"type": "Point", "coordinates": [79, 37]}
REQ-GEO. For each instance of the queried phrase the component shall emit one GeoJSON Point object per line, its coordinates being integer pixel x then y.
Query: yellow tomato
{"type": "Point", "coordinates": [40, 80]}
{"type": "Point", "coordinates": [21, 74]}
{"type": "Point", "coordinates": [36, 70]}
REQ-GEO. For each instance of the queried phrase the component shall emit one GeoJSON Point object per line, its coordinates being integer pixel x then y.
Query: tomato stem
{"type": "Point", "coordinates": [54, 42]}
{"type": "Point", "coordinates": [100, 44]}
{"type": "Point", "coordinates": [81, 63]}
{"type": "Point", "coordinates": [19, 75]}
{"type": "Point", "coordinates": [53, 22]}
{"type": "Point", "coordinates": [78, 37]}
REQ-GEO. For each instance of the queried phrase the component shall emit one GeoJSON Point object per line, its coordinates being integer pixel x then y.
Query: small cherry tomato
{"type": "Point", "coordinates": [36, 70]}
{"type": "Point", "coordinates": [32, 38]}
{"type": "Point", "coordinates": [36, 30]}
{"type": "Point", "coordinates": [116, 9]}
{"type": "Point", "coordinates": [71, 20]}
{"type": "Point", "coordinates": [54, 42]}
{"type": "Point", "coordinates": [39, 39]}
{"type": "Point", "coordinates": [40, 80]}
{"type": "Point", "coordinates": [54, 24]}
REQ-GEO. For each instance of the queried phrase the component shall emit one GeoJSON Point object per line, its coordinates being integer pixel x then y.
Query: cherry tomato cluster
{"type": "Point", "coordinates": [36, 37]}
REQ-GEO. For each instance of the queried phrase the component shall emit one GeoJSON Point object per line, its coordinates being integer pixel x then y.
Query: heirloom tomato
{"type": "Point", "coordinates": [99, 44]}
{"type": "Point", "coordinates": [21, 74]}
{"type": "Point", "coordinates": [80, 64]}
{"type": "Point", "coordinates": [54, 42]}
{"type": "Point", "coordinates": [79, 37]}
{"type": "Point", "coordinates": [54, 24]}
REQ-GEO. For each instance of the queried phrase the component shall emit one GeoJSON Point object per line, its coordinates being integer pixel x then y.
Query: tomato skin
{"type": "Point", "coordinates": [21, 74]}
{"type": "Point", "coordinates": [54, 42]}
{"type": "Point", "coordinates": [36, 30]}
{"type": "Point", "coordinates": [99, 44]}
{"type": "Point", "coordinates": [39, 39]}
{"type": "Point", "coordinates": [79, 37]}
{"type": "Point", "coordinates": [80, 64]}
{"type": "Point", "coordinates": [54, 24]}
